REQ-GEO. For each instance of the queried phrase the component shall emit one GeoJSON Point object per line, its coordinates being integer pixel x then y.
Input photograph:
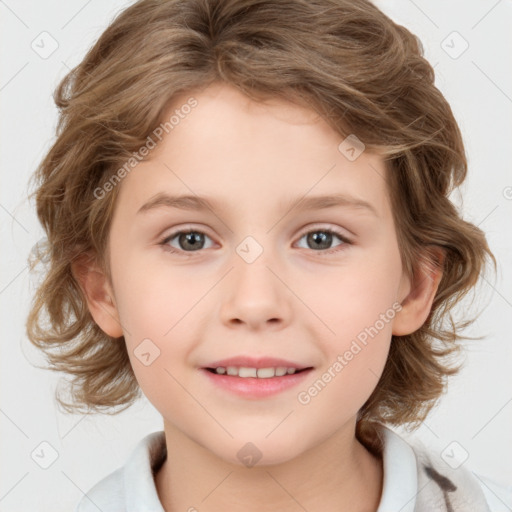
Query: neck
{"type": "Point", "coordinates": [339, 475]}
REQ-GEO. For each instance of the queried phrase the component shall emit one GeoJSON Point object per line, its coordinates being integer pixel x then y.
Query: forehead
{"type": "Point", "coordinates": [251, 154]}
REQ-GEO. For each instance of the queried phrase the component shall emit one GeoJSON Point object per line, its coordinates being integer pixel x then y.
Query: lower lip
{"type": "Point", "coordinates": [253, 387]}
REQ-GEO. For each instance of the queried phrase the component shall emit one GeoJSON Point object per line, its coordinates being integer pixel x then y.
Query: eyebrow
{"type": "Point", "coordinates": [198, 203]}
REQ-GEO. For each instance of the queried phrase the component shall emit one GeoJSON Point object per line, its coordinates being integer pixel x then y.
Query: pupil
{"type": "Point", "coordinates": [321, 238]}
{"type": "Point", "coordinates": [192, 238]}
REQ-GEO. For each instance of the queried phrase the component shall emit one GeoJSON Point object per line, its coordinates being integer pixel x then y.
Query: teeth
{"type": "Point", "coordinates": [266, 373]}
{"type": "Point", "coordinates": [247, 372]}
{"type": "Point", "coordinates": [261, 373]}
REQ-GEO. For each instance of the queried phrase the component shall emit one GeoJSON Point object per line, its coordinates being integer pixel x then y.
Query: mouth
{"type": "Point", "coordinates": [255, 383]}
{"type": "Point", "coordinates": [258, 373]}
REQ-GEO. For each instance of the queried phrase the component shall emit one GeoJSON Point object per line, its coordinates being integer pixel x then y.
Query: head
{"type": "Point", "coordinates": [255, 104]}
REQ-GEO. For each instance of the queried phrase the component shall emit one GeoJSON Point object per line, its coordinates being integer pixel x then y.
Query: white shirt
{"type": "Point", "coordinates": [407, 486]}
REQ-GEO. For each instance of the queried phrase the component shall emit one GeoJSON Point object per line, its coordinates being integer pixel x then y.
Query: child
{"type": "Point", "coordinates": [305, 152]}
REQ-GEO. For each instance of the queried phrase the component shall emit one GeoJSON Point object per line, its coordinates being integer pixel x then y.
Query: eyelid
{"type": "Point", "coordinates": [184, 229]}
{"type": "Point", "coordinates": [335, 230]}
{"type": "Point", "coordinates": [325, 227]}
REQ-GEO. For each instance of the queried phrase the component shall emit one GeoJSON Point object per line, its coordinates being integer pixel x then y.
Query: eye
{"type": "Point", "coordinates": [193, 240]}
{"type": "Point", "coordinates": [320, 238]}
{"type": "Point", "coordinates": [186, 239]}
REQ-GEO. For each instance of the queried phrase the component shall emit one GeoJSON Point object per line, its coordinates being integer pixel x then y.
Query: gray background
{"type": "Point", "coordinates": [477, 408]}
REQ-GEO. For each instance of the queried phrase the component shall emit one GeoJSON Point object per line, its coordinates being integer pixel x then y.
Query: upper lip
{"type": "Point", "coordinates": [259, 362]}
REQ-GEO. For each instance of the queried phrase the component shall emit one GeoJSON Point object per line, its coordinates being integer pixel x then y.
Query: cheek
{"type": "Point", "coordinates": [161, 325]}
{"type": "Point", "coordinates": [355, 355]}
{"type": "Point", "coordinates": [353, 297]}
{"type": "Point", "coordinates": [154, 300]}
{"type": "Point", "coordinates": [357, 306]}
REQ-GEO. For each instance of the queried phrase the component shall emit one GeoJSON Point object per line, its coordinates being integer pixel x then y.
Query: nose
{"type": "Point", "coordinates": [255, 295]}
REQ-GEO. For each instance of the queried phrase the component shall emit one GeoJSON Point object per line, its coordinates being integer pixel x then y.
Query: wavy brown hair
{"type": "Point", "coordinates": [363, 73]}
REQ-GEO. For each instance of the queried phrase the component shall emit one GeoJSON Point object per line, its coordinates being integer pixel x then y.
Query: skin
{"type": "Point", "coordinates": [294, 301]}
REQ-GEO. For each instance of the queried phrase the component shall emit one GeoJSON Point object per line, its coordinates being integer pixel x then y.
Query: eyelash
{"type": "Point", "coordinates": [331, 231]}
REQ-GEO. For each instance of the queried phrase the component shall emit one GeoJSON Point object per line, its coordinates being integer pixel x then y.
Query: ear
{"type": "Point", "coordinates": [99, 294]}
{"type": "Point", "coordinates": [417, 303]}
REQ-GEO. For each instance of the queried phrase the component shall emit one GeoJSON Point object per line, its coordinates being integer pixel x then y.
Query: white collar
{"type": "Point", "coordinates": [400, 484]}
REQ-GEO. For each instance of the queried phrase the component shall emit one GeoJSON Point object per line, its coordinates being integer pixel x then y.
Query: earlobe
{"type": "Point", "coordinates": [416, 306]}
{"type": "Point", "coordinates": [98, 293]}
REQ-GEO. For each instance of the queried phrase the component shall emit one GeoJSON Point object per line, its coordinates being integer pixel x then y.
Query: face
{"type": "Point", "coordinates": [256, 277]}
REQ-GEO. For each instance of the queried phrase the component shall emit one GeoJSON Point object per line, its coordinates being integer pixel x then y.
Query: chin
{"type": "Point", "coordinates": [261, 452]}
